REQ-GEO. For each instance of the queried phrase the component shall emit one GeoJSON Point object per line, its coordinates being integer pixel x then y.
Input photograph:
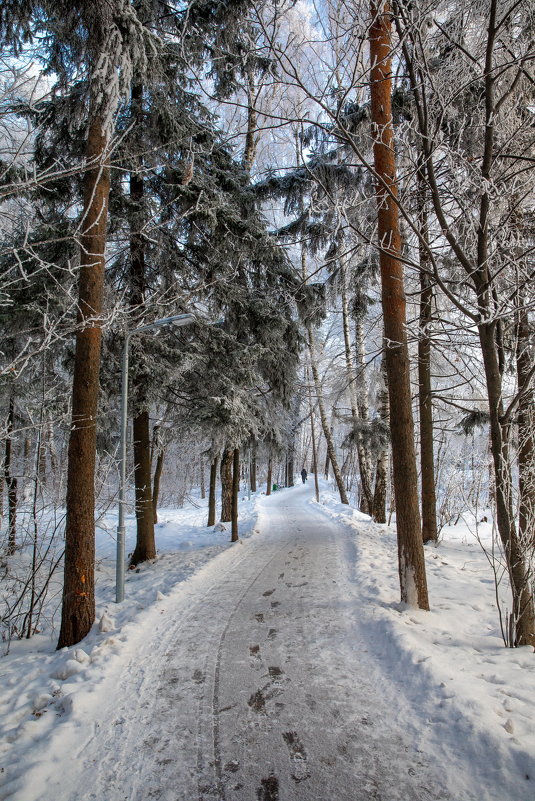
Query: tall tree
{"type": "Point", "coordinates": [78, 608]}
{"type": "Point", "coordinates": [226, 485]}
{"type": "Point", "coordinates": [427, 456]}
{"type": "Point", "coordinates": [11, 481]}
{"type": "Point", "coordinates": [212, 492]}
{"type": "Point", "coordinates": [492, 51]}
{"type": "Point", "coordinates": [107, 28]}
{"type": "Point", "coordinates": [145, 544]}
{"type": "Point", "coordinates": [410, 549]}
{"type": "Point", "coordinates": [235, 493]}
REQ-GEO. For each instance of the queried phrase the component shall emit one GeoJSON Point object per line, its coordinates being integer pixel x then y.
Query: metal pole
{"type": "Point", "coordinates": [119, 567]}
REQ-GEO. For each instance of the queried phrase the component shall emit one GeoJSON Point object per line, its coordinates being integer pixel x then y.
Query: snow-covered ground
{"type": "Point", "coordinates": [279, 667]}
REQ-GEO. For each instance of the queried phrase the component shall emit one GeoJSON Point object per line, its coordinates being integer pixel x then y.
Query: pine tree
{"type": "Point", "coordinates": [410, 550]}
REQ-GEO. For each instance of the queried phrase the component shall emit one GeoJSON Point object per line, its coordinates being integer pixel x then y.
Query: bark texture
{"type": "Point", "coordinates": [78, 608]}
{"type": "Point", "coordinates": [145, 543]}
{"type": "Point", "coordinates": [251, 135]}
{"type": "Point", "coordinates": [526, 429]}
{"type": "Point", "coordinates": [158, 470]}
{"type": "Point", "coordinates": [313, 438]}
{"type": "Point", "coordinates": [363, 415]}
{"type": "Point", "coordinates": [226, 485]}
{"type": "Point", "coordinates": [212, 492]}
{"type": "Point", "coordinates": [427, 457]}
{"type": "Point", "coordinates": [253, 467]}
{"type": "Point", "coordinates": [412, 574]}
{"type": "Point", "coordinates": [383, 460]}
{"type": "Point", "coordinates": [235, 493]}
{"type": "Point", "coordinates": [201, 474]}
{"type": "Point", "coordinates": [269, 476]}
{"type": "Point", "coordinates": [291, 470]}
{"type": "Point", "coordinates": [523, 616]}
{"type": "Point", "coordinates": [11, 482]}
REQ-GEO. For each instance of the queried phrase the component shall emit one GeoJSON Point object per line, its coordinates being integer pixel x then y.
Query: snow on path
{"type": "Point", "coordinates": [258, 681]}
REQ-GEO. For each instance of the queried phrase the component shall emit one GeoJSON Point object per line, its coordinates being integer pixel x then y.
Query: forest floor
{"type": "Point", "coordinates": [279, 668]}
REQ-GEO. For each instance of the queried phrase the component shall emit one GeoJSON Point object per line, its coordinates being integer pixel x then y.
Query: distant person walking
{"type": "Point", "coordinates": [304, 475]}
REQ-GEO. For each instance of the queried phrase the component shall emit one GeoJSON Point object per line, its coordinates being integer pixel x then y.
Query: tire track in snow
{"type": "Point", "coordinates": [217, 789]}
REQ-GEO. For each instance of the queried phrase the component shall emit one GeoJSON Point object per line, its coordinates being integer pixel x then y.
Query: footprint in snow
{"type": "Point", "coordinates": [276, 674]}
{"type": "Point", "coordinates": [297, 755]}
{"type": "Point", "coordinates": [269, 791]}
{"type": "Point", "coordinates": [257, 701]}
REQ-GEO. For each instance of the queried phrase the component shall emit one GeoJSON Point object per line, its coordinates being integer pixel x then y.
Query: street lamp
{"type": "Point", "coordinates": [178, 320]}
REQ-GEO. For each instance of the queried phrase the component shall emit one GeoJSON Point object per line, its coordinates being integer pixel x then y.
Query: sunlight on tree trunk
{"type": "Point", "coordinates": [78, 610]}
{"type": "Point", "coordinates": [410, 548]}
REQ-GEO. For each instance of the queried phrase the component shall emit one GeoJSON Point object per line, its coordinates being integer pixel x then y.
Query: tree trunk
{"type": "Point", "coordinates": [526, 429]}
{"type": "Point", "coordinates": [269, 476]}
{"type": "Point", "coordinates": [78, 606]}
{"type": "Point", "coordinates": [253, 467]}
{"type": "Point", "coordinates": [41, 465]}
{"type": "Point", "coordinates": [52, 450]}
{"type": "Point", "coordinates": [2, 492]}
{"type": "Point", "coordinates": [212, 492]}
{"type": "Point", "coordinates": [324, 422]}
{"type": "Point", "coordinates": [235, 493]}
{"type": "Point", "coordinates": [383, 460]}
{"type": "Point", "coordinates": [365, 461]}
{"type": "Point", "coordinates": [156, 482]}
{"type": "Point", "coordinates": [201, 471]}
{"type": "Point", "coordinates": [359, 405]}
{"type": "Point", "coordinates": [291, 469]}
{"type": "Point", "coordinates": [523, 614]}
{"type": "Point", "coordinates": [427, 457]}
{"type": "Point", "coordinates": [313, 438]}
{"type": "Point", "coordinates": [145, 542]}
{"type": "Point", "coordinates": [226, 485]}
{"type": "Point", "coordinates": [379, 493]}
{"type": "Point", "coordinates": [412, 574]}
{"type": "Point", "coordinates": [327, 454]}
{"type": "Point", "coordinates": [251, 137]}
{"type": "Point", "coordinates": [11, 482]}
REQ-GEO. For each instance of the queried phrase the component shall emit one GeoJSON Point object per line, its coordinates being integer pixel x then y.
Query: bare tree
{"type": "Point", "coordinates": [487, 46]}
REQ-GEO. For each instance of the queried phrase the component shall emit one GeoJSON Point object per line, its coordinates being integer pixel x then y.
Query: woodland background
{"type": "Point", "coordinates": [348, 188]}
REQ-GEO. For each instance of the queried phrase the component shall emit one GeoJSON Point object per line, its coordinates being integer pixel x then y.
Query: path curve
{"type": "Point", "coordinates": [249, 689]}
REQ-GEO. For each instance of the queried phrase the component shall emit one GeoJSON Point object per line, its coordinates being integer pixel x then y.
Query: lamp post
{"type": "Point", "coordinates": [178, 320]}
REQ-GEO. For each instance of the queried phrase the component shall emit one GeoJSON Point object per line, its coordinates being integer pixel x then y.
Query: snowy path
{"type": "Point", "coordinates": [258, 683]}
